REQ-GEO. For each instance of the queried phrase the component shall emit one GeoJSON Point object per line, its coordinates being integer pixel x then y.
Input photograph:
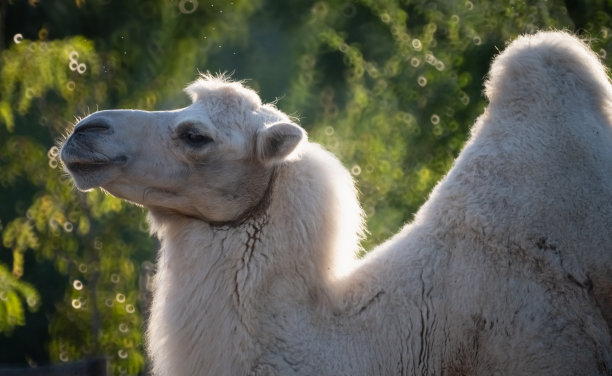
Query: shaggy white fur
{"type": "Point", "coordinates": [506, 270]}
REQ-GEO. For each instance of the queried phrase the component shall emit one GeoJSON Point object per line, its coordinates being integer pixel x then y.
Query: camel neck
{"type": "Point", "coordinates": [257, 210]}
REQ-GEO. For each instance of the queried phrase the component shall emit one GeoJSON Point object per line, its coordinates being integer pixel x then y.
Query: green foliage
{"type": "Point", "coordinates": [29, 69]}
{"type": "Point", "coordinates": [13, 293]}
{"type": "Point", "coordinates": [390, 86]}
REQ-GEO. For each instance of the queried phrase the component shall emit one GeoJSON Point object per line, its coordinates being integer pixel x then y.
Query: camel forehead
{"type": "Point", "coordinates": [229, 106]}
{"type": "Point", "coordinates": [220, 94]}
{"type": "Point", "coordinates": [196, 113]}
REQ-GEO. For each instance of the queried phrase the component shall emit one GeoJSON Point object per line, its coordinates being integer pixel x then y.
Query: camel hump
{"type": "Point", "coordinates": [537, 70]}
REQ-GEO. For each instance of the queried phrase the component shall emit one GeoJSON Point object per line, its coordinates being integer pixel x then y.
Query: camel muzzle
{"type": "Point", "coordinates": [84, 154]}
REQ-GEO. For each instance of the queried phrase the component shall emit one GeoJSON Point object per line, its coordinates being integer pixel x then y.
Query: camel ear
{"type": "Point", "coordinates": [277, 141]}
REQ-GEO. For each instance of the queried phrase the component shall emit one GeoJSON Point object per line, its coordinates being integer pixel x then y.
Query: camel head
{"type": "Point", "coordinates": [213, 160]}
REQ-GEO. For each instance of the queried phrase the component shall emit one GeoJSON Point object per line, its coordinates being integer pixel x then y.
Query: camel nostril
{"type": "Point", "coordinates": [97, 125]}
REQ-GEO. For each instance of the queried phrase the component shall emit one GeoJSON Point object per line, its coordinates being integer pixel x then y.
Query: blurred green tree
{"type": "Point", "coordinates": [390, 86]}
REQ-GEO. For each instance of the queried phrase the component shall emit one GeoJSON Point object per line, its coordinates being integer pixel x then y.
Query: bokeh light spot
{"type": "Point", "coordinates": [76, 303]}
{"type": "Point", "coordinates": [188, 6]}
{"type": "Point", "coordinates": [435, 119]}
{"type": "Point", "coordinates": [122, 354]}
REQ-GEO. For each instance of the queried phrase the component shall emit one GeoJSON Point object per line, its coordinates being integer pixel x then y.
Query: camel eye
{"type": "Point", "coordinates": [194, 139]}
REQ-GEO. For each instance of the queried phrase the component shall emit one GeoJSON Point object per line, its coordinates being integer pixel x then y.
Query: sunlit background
{"type": "Point", "coordinates": [390, 86]}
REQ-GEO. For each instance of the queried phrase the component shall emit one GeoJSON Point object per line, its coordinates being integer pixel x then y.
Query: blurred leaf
{"type": "Point", "coordinates": [15, 295]}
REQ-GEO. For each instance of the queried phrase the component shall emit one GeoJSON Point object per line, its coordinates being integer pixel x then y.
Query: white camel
{"type": "Point", "coordinates": [506, 270]}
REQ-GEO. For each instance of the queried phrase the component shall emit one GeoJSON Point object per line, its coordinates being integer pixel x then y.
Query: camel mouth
{"type": "Point", "coordinates": [93, 172]}
{"type": "Point", "coordinates": [82, 165]}
{"type": "Point", "coordinates": [87, 160]}
{"type": "Point", "coordinates": [86, 167]}
{"type": "Point", "coordinates": [83, 156]}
